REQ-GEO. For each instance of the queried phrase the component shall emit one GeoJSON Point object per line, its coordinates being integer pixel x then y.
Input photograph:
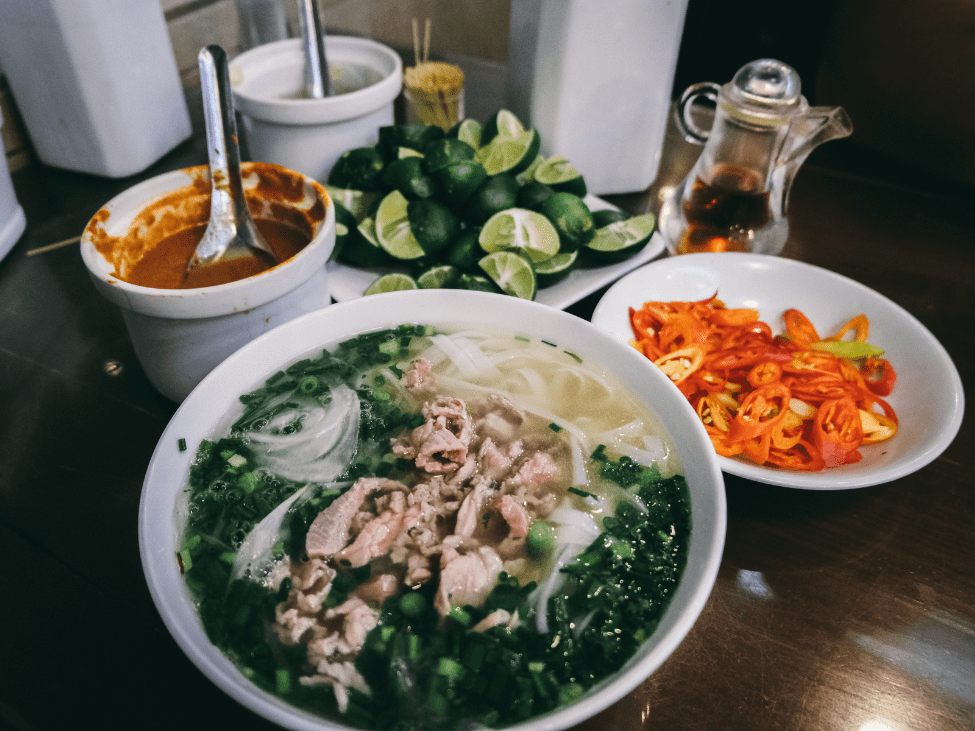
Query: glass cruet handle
{"type": "Point", "coordinates": [685, 120]}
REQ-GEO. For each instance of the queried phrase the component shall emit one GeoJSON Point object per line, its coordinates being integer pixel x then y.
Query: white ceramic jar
{"type": "Point", "coordinates": [180, 335]}
{"type": "Point", "coordinates": [309, 135]}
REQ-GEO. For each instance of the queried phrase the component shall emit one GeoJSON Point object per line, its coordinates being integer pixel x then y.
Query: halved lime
{"type": "Point", "coordinates": [572, 219]}
{"type": "Point", "coordinates": [528, 174]}
{"type": "Point", "coordinates": [496, 193]}
{"type": "Point", "coordinates": [438, 277]}
{"type": "Point", "coordinates": [433, 225]}
{"type": "Point", "coordinates": [460, 180]}
{"type": "Point", "coordinates": [359, 169]}
{"type": "Point", "coordinates": [392, 282]}
{"type": "Point", "coordinates": [467, 130]}
{"type": "Point", "coordinates": [605, 216]}
{"type": "Point", "coordinates": [478, 283]}
{"type": "Point", "coordinates": [554, 270]}
{"type": "Point", "coordinates": [407, 152]}
{"type": "Point", "coordinates": [622, 239]}
{"type": "Point", "coordinates": [345, 225]}
{"type": "Point", "coordinates": [446, 151]}
{"type": "Point", "coordinates": [362, 249]}
{"type": "Point", "coordinates": [503, 123]}
{"type": "Point", "coordinates": [558, 174]}
{"type": "Point", "coordinates": [512, 272]}
{"type": "Point", "coordinates": [520, 230]}
{"type": "Point", "coordinates": [393, 228]}
{"type": "Point", "coordinates": [509, 154]}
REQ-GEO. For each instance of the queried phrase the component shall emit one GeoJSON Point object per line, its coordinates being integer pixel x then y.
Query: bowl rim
{"type": "Point", "coordinates": [608, 314]}
{"type": "Point", "coordinates": [295, 339]}
{"type": "Point", "coordinates": [221, 299]}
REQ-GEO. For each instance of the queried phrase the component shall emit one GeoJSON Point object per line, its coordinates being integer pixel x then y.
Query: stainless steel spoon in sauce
{"type": "Point", "coordinates": [231, 232]}
{"type": "Point", "coordinates": [318, 82]}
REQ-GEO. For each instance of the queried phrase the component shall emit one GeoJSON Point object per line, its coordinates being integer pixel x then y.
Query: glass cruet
{"type": "Point", "coordinates": [735, 196]}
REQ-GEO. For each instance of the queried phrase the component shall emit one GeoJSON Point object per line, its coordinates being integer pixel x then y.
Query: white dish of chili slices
{"type": "Point", "coordinates": [928, 397]}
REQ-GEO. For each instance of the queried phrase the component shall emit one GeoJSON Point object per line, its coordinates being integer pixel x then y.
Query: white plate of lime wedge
{"type": "Point", "coordinates": [348, 282]}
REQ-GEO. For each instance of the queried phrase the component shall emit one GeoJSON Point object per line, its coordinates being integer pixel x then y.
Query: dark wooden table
{"type": "Point", "coordinates": [847, 611]}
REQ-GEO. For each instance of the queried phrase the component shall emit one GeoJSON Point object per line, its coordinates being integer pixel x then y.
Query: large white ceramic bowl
{"type": "Point", "coordinates": [928, 398]}
{"type": "Point", "coordinates": [206, 407]}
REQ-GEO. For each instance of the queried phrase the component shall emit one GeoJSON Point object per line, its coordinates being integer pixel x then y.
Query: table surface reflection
{"type": "Point", "coordinates": [850, 610]}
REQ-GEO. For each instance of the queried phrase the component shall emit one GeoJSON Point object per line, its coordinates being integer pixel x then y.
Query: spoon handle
{"type": "Point", "coordinates": [221, 135]}
{"type": "Point", "coordinates": [318, 82]}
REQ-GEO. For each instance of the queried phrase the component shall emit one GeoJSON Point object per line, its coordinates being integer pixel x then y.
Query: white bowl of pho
{"type": "Point", "coordinates": [432, 510]}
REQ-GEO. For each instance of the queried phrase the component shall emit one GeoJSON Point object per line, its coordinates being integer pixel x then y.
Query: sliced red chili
{"type": "Point", "coordinates": [761, 410]}
{"type": "Point", "coordinates": [879, 376]}
{"type": "Point", "coordinates": [799, 328]}
{"type": "Point", "coordinates": [837, 431]}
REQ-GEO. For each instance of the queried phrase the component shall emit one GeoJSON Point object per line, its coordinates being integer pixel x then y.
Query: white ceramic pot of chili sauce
{"type": "Point", "coordinates": [137, 245]}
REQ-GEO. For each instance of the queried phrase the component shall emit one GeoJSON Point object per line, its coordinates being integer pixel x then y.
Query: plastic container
{"type": "Point", "coordinates": [12, 218]}
{"type": "Point", "coordinates": [595, 78]}
{"type": "Point", "coordinates": [180, 335]}
{"type": "Point", "coordinates": [309, 135]}
{"type": "Point", "coordinates": [95, 81]}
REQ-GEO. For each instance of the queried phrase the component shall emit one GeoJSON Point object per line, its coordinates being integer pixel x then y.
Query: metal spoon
{"type": "Point", "coordinates": [230, 232]}
{"type": "Point", "coordinates": [318, 82]}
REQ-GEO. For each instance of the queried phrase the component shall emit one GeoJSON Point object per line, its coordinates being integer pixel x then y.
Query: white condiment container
{"type": "Point", "coordinates": [12, 218]}
{"type": "Point", "coordinates": [180, 335]}
{"type": "Point", "coordinates": [96, 82]}
{"type": "Point", "coordinates": [309, 135]}
{"type": "Point", "coordinates": [595, 78]}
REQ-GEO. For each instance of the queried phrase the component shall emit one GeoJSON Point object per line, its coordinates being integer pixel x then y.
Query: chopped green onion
{"type": "Point", "coordinates": [580, 493]}
{"type": "Point", "coordinates": [573, 355]}
{"type": "Point", "coordinates": [450, 668]}
{"type": "Point", "coordinates": [181, 445]}
{"type": "Point", "coordinates": [555, 427]}
{"type": "Point", "coordinates": [282, 681]}
{"type": "Point", "coordinates": [522, 339]}
{"type": "Point", "coordinates": [551, 344]}
{"type": "Point", "coordinates": [541, 538]}
{"type": "Point", "coordinates": [847, 348]}
{"type": "Point", "coordinates": [308, 385]}
{"type": "Point", "coordinates": [460, 615]}
{"type": "Point", "coordinates": [412, 604]}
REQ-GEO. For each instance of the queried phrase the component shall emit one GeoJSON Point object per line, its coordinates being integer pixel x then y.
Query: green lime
{"type": "Point", "coordinates": [467, 130]}
{"type": "Point", "coordinates": [606, 216]}
{"type": "Point", "coordinates": [496, 193]}
{"type": "Point", "coordinates": [465, 252]}
{"type": "Point", "coordinates": [509, 154]}
{"type": "Point", "coordinates": [520, 230]}
{"type": "Point", "coordinates": [359, 169]}
{"type": "Point", "coordinates": [532, 195]}
{"type": "Point", "coordinates": [528, 174]}
{"type": "Point", "coordinates": [345, 224]}
{"type": "Point", "coordinates": [433, 224]}
{"type": "Point", "coordinates": [408, 176]}
{"type": "Point", "coordinates": [362, 249]}
{"type": "Point", "coordinates": [478, 283]}
{"type": "Point", "coordinates": [393, 282]}
{"type": "Point", "coordinates": [446, 151]}
{"type": "Point", "coordinates": [460, 180]}
{"type": "Point", "coordinates": [622, 239]}
{"type": "Point", "coordinates": [554, 270]}
{"type": "Point", "coordinates": [407, 134]}
{"type": "Point", "coordinates": [356, 201]}
{"type": "Point", "coordinates": [393, 228]}
{"type": "Point", "coordinates": [503, 123]}
{"type": "Point", "coordinates": [571, 218]}
{"type": "Point", "coordinates": [512, 272]}
{"type": "Point", "coordinates": [558, 174]}
{"type": "Point", "coordinates": [438, 277]}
